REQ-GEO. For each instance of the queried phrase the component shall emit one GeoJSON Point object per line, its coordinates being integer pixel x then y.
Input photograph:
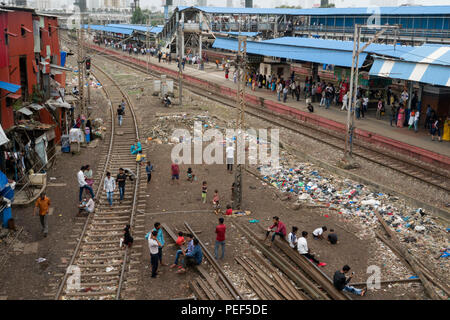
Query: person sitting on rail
{"type": "Point", "coordinates": [180, 240]}
{"type": "Point", "coordinates": [182, 252]}
{"type": "Point", "coordinates": [302, 247]}
{"type": "Point", "coordinates": [280, 231]}
{"type": "Point", "coordinates": [292, 238]}
{"type": "Point", "coordinates": [135, 148]}
{"type": "Point", "coordinates": [140, 158]}
{"type": "Point", "coordinates": [87, 206]}
{"type": "Point", "coordinates": [192, 258]}
{"type": "Point", "coordinates": [340, 282]}
{"type": "Point", "coordinates": [127, 238]}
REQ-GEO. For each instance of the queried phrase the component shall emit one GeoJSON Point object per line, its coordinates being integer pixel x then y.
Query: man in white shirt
{"type": "Point", "coordinates": [88, 205]}
{"type": "Point", "coordinates": [109, 185]}
{"type": "Point", "coordinates": [302, 247]}
{"type": "Point", "coordinates": [153, 245]}
{"type": "Point", "coordinates": [83, 185]}
{"type": "Point", "coordinates": [318, 233]}
{"type": "Point", "coordinates": [292, 238]}
{"type": "Point", "coordinates": [230, 157]}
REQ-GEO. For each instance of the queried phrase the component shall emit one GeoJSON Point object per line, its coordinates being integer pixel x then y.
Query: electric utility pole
{"type": "Point", "coordinates": [180, 50]}
{"type": "Point", "coordinates": [240, 66]}
{"type": "Point", "coordinates": [354, 75]}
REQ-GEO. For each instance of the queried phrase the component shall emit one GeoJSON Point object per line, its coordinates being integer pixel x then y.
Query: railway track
{"type": "Point", "coordinates": [433, 176]}
{"type": "Point", "coordinates": [311, 282]}
{"type": "Point", "coordinates": [98, 261]}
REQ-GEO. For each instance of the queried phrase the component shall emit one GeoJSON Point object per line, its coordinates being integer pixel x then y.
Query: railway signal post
{"type": "Point", "coordinates": [240, 66]}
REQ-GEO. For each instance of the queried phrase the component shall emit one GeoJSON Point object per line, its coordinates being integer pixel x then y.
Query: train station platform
{"type": "Point", "coordinates": [417, 145]}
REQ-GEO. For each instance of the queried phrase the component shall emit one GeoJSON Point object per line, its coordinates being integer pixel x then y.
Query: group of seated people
{"type": "Point", "coordinates": [340, 280]}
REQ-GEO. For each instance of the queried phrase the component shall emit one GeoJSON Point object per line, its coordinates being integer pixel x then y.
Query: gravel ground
{"type": "Point", "coordinates": [357, 245]}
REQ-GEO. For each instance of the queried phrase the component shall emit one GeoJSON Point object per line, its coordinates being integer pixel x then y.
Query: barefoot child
{"type": "Point", "coordinates": [204, 191]}
{"type": "Point", "coordinates": [216, 202]}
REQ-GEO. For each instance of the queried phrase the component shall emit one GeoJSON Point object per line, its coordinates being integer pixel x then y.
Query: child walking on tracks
{"type": "Point", "coordinates": [204, 191]}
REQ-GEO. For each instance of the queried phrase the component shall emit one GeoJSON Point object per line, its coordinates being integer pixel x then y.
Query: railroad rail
{"type": "Point", "coordinates": [98, 261]}
{"type": "Point", "coordinates": [313, 283]}
{"type": "Point", "coordinates": [436, 177]}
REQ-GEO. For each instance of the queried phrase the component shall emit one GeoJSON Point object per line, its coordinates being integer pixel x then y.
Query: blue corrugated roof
{"type": "Point", "coordinates": [235, 33]}
{"type": "Point", "coordinates": [11, 87]}
{"type": "Point", "coordinates": [380, 49]}
{"type": "Point", "coordinates": [108, 29]}
{"type": "Point", "coordinates": [403, 10]}
{"type": "Point", "coordinates": [135, 27]}
{"type": "Point", "coordinates": [318, 55]}
{"type": "Point", "coordinates": [421, 72]}
{"type": "Point", "coordinates": [429, 54]}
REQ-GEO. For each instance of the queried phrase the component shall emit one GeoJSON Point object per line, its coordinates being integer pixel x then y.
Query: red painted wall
{"type": "Point", "coordinates": [6, 113]}
{"type": "Point", "coordinates": [22, 45]}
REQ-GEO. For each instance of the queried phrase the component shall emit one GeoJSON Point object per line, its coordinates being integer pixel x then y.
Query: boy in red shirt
{"type": "Point", "coordinates": [220, 238]}
{"type": "Point", "coordinates": [180, 240]}
{"type": "Point", "coordinates": [279, 231]}
{"type": "Point", "coordinates": [229, 211]}
{"type": "Point", "coordinates": [175, 169]}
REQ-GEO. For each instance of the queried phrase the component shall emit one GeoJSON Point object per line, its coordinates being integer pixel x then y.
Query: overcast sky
{"type": "Point", "coordinates": [310, 3]}
{"type": "Point", "coordinates": [272, 3]}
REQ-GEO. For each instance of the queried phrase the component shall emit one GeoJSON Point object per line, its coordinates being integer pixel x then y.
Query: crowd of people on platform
{"type": "Point", "coordinates": [403, 113]}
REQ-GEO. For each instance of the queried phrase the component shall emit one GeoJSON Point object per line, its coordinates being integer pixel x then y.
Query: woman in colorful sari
{"type": "Point", "coordinates": [401, 116]}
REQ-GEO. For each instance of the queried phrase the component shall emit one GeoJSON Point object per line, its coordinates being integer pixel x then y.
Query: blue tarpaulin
{"type": "Point", "coordinates": [9, 86]}
{"type": "Point", "coordinates": [63, 58]}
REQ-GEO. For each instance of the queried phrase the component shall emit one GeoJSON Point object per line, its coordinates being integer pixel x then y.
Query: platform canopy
{"type": "Point", "coordinates": [325, 55]}
{"type": "Point", "coordinates": [392, 11]}
{"type": "Point", "coordinates": [427, 64]}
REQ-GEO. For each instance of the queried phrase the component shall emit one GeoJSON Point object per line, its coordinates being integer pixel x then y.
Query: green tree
{"type": "Point", "coordinates": [138, 17]}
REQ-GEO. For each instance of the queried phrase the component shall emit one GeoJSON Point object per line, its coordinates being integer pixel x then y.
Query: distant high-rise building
{"type": "Point", "coordinates": [202, 3]}
{"type": "Point", "coordinates": [249, 3]}
{"type": "Point", "coordinates": [20, 3]}
{"type": "Point", "coordinates": [229, 3]}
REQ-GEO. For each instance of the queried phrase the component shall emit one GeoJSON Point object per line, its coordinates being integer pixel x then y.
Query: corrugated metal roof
{"type": "Point", "coordinates": [429, 54]}
{"type": "Point", "coordinates": [318, 55]}
{"type": "Point", "coordinates": [421, 72]}
{"type": "Point", "coordinates": [108, 29]}
{"type": "Point", "coordinates": [247, 34]}
{"type": "Point", "coordinates": [403, 10]}
{"type": "Point", "coordinates": [380, 49]}
{"type": "Point", "coordinates": [134, 27]}
{"type": "Point", "coordinates": [11, 87]}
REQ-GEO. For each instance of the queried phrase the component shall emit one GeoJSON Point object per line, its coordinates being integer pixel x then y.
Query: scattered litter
{"type": "Point", "coordinates": [109, 269]}
{"type": "Point", "coordinates": [39, 260]}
